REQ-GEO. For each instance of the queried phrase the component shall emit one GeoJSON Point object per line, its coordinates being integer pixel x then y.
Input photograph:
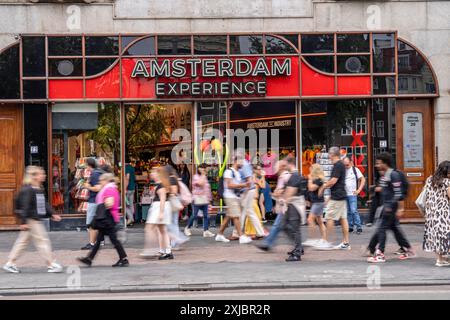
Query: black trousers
{"type": "Point", "coordinates": [291, 225]}
{"type": "Point", "coordinates": [112, 234]}
{"type": "Point", "coordinates": [388, 221]}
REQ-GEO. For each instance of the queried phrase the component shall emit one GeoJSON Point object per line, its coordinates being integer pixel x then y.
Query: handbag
{"type": "Point", "coordinates": [175, 203]}
{"type": "Point", "coordinates": [103, 218]}
{"type": "Point", "coordinates": [420, 201]}
{"type": "Point", "coordinates": [200, 200]}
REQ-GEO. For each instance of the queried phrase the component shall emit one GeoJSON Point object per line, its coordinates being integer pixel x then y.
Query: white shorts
{"type": "Point", "coordinates": [90, 213]}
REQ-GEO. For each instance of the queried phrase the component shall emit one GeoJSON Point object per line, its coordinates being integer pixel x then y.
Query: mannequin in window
{"type": "Point", "coordinates": [268, 162]}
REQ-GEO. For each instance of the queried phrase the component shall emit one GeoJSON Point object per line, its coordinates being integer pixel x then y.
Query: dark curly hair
{"type": "Point", "coordinates": [440, 174]}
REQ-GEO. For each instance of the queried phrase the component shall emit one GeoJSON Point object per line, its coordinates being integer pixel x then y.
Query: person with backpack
{"type": "Point", "coordinates": [106, 218]}
{"type": "Point", "coordinates": [93, 185]}
{"type": "Point", "coordinates": [31, 208]}
{"type": "Point", "coordinates": [393, 189]}
{"type": "Point", "coordinates": [354, 185]}
{"type": "Point", "coordinates": [232, 190]}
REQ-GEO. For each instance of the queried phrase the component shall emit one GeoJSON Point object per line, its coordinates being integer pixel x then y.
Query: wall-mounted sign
{"type": "Point", "coordinates": [34, 149]}
{"type": "Point", "coordinates": [269, 124]}
{"type": "Point", "coordinates": [412, 140]}
{"type": "Point", "coordinates": [211, 76]}
{"type": "Point", "coordinates": [383, 143]}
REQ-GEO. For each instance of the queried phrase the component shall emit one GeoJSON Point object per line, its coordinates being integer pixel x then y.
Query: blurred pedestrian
{"type": "Point", "coordinates": [31, 208]}
{"type": "Point", "coordinates": [201, 191]}
{"type": "Point", "coordinates": [354, 185]}
{"type": "Point", "coordinates": [185, 176]}
{"type": "Point", "coordinates": [106, 219]}
{"type": "Point", "coordinates": [130, 187]}
{"type": "Point", "coordinates": [437, 214]}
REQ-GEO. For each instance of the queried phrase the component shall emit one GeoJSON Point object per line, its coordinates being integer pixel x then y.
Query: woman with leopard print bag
{"type": "Point", "coordinates": [437, 214]}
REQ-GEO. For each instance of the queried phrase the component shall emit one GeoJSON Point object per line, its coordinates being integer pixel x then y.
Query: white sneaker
{"type": "Point", "coordinates": [343, 246]}
{"type": "Point", "coordinates": [221, 238]}
{"type": "Point", "coordinates": [187, 232]}
{"type": "Point", "coordinates": [208, 234]}
{"type": "Point", "coordinates": [244, 240]}
{"type": "Point", "coordinates": [11, 268]}
{"type": "Point", "coordinates": [55, 268]}
{"type": "Point", "coordinates": [311, 243]}
{"type": "Point", "coordinates": [442, 263]}
{"type": "Point", "coordinates": [324, 246]}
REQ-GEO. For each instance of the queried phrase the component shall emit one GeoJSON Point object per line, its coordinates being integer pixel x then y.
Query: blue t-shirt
{"type": "Point", "coordinates": [94, 180]}
{"type": "Point", "coordinates": [132, 182]}
{"type": "Point", "coordinates": [247, 171]}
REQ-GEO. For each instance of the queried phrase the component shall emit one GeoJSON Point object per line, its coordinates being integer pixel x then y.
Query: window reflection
{"type": "Point", "coordinates": [102, 46]}
{"type": "Point", "coordinates": [383, 52]}
{"type": "Point", "coordinates": [174, 45]}
{"type": "Point", "coordinates": [414, 74]}
{"type": "Point", "coordinates": [317, 43]}
{"type": "Point", "coordinates": [210, 45]}
{"type": "Point", "coordinates": [64, 46]}
{"type": "Point", "coordinates": [350, 42]}
{"type": "Point", "coordinates": [321, 63]}
{"type": "Point", "coordinates": [353, 64]}
{"type": "Point", "coordinates": [9, 73]}
{"type": "Point", "coordinates": [276, 45]}
{"type": "Point", "coordinates": [144, 47]}
{"type": "Point", "coordinates": [246, 44]}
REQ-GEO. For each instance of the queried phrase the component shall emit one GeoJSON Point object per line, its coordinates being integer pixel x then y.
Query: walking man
{"type": "Point", "coordinates": [32, 207]}
{"type": "Point", "coordinates": [93, 185]}
{"type": "Point", "coordinates": [392, 193]}
{"type": "Point", "coordinates": [233, 186]}
{"type": "Point", "coordinates": [337, 206]}
{"type": "Point", "coordinates": [354, 184]}
{"type": "Point", "coordinates": [130, 186]}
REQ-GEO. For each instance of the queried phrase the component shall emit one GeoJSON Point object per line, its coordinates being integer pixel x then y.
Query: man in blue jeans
{"type": "Point", "coordinates": [354, 184]}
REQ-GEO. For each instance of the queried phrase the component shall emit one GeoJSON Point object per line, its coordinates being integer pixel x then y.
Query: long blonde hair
{"type": "Point", "coordinates": [317, 172]}
{"type": "Point", "coordinates": [30, 172]}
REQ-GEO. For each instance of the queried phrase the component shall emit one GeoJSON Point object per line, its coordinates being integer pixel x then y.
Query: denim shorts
{"type": "Point", "coordinates": [317, 209]}
{"type": "Point", "coordinates": [90, 213]}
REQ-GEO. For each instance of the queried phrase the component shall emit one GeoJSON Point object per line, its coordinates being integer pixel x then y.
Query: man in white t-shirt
{"type": "Point", "coordinates": [233, 188]}
{"type": "Point", "coordinates": [354, 184]}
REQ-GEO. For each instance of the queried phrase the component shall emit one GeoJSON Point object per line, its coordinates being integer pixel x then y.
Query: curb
{"type": "Point", "coordinates": [208, 287]}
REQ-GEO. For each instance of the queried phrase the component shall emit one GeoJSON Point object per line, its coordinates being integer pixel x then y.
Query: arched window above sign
{"type": "Point", "coordinates": [279, 45]}
{"type": "Point", "coordinates": [9, 73]}
{"type": "Point", "coordinates": [142, 47]}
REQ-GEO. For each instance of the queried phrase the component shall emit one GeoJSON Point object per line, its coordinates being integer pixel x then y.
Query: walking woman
{"type": "Point", "coordinates": [437, 214]}
{"type": "Point", "coordinates": [32, 207]}
{"type": "Point", "coordinates": [316, 181]}
{"type": "Point", "coordinates": [201, 190]}
{"type": "Point", "coordinates": [260, 183]}
{"type": "Point", "coordinates": [106, 219]}
{"type": "Point", "coordinates": [160, 213]}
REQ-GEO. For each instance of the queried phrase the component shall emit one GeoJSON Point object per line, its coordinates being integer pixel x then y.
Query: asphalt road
{"type": "Point", "coordinates": [387, 293]}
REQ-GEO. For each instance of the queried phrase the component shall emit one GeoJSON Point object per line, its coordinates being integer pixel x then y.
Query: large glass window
{"type": "Point", "coordinates": [33, 56]}
{"type": "Point", "coordinates": [317, 43]}
{"type": "Point", "coordinates": [65, 46]}
{"type": "Point", "coordinates": [9, 73]}
{"type": "Point", "coordinates": [174, 45]}
{"type": "Point", "coordinates": [275, 45]}
{"type": "Point", "coordinates": [246, 44]}
{"type": "Point", "coordinates": [383, 52]}
{"type": "Point", "coordinates": [353, 64]}
{"type": "Point", "coordinates": [81, 131]}
{"type": "Point", "coordinates": [72, 67]}
{"type": "Point", "coordinates": [144, 47]}
{"type": "Point", "coordinates": [334, 123]}
{"type": "Point", "coordinates": [102, 46]}
{"type": "Point", "coordinates": [411, 65]}
{"type": "Point", "coordinates": [211, 45]}
{"type": "Point", "coordinates": [353, 42]}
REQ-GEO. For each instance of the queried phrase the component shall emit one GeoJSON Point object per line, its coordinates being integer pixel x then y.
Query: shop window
{"type": "Point", "coordinates": [292, 38]}
{"type": "Point", "coordinates": [174, 45]}
{"type": "Point", "coordinates": [383, 52]}
{"type": "Point", "coordinates": [348, 128]}
{"type": "Point", "coordinates": [275, 45]}
{"type": "Point", "coordinates": [317, 43]}
{"type": "Point", "coordinates": [9, 73]}
{"type": "Point", "coordinates": [412, 65]}
{"type": "Point", "coordinates": [102, 46]}
{"type": "Point", "coordinates": [34, 89]}
{"type": "Point", "coordinates": [144, 47]}
{"type": "Point", "coordinates": [82, 131]}
{"type": "Point", "coordinates": [380, 128]}
{"type": "Point", "coordinates": [384, 85]}
{"type": "Point", "coordinates": [321, 63]}
{"type": "Point", "coordinates": [414, 83]}
{"type": "Point", "coordinates": [246, 44]}
{"type": "Point", "coordinates": [33, 56]}
{"type": "Point", "coordinates": [379, 106]}
{"type": "Point", "coordinates": [65, 67]}
{"type": "Point", "coordinates": [64, 46]}
{"type": "Point", "coordinates": [322, 127]}
{"type": "Point", "coordinates": [353, 42]}
{"type": "Point", "coordinates": [361, 125]}
{"type": "Point", "coordinates": [96, 66]}
{"type": "Point", "coordinates": [353, 64]}
{"type": "Point", "coordinates": [211, 45]}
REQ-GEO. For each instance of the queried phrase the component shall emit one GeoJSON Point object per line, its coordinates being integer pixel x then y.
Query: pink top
{"type": "Point", "coordinates": [198, 190]}
{"type": "Point", "coordinates": [108, 191]}
{"type": "Point", "coordinates": [268, 163]}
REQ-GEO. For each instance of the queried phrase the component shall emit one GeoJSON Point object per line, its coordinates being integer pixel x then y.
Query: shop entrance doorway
{"type": "Point", "coordinates": [152, 131]}
{"type": "Point", "coordinates": [414, 148]}
{"type": "Point", "coordinates": [11, 162]}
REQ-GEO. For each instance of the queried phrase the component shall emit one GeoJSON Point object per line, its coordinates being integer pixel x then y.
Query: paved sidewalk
{"type": "Point", "coordinates": [204, 264]}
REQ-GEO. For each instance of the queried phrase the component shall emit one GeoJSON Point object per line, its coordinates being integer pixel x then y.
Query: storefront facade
{"type": "Point", "coordinates": [121, 96]}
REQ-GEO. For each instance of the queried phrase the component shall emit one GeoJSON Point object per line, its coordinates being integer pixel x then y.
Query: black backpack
{"type": "Point", "coordinates": [103, 218]}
